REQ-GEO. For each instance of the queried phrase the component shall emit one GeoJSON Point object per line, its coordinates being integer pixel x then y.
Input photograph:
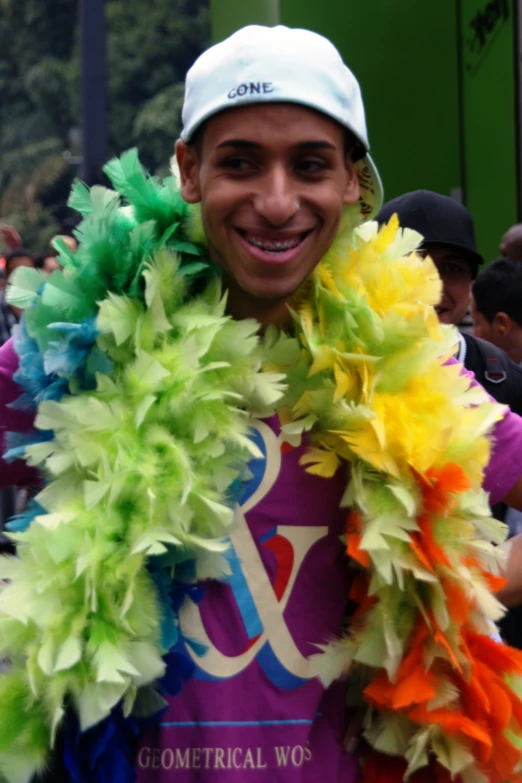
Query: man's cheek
{"type": "Point", "coordinates": [216, 257]}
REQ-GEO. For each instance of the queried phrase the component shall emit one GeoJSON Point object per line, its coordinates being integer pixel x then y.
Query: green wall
{"type": "Point", "coordinates": [403, 53]}
{"type": "Point", "coordinates": [229, 15]}
{"type": "Point", "coordinates": [489, 119]}
{"type": "Point", "coordinates": [433, 123]}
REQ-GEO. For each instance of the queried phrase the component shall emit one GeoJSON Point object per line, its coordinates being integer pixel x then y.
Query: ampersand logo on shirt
{"type": "Point", "coordinates": [261, 602]}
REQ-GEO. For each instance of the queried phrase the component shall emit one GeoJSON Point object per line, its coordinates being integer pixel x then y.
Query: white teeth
{"type": "Point", "coordinates": [273, 247]}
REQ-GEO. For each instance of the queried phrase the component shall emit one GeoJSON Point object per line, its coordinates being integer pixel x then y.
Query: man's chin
{"type": "Point", "coordinates": [268, 296]}
{"type": "Point", "coordinates": [444, 317]}
{"type": "Point", "coordinates": [263, 288]}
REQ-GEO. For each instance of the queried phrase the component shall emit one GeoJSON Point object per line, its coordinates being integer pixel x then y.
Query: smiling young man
{"type": "Point", "coordinates": [272, 164]}
{"type": "Point", "coordinates": [271, 179]}
{"type": "Point", "coordinates": [273, 169]}
{"type": "Point", "coordinates": [274, 149]}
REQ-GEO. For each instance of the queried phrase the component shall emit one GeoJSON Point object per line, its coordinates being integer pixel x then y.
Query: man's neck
{"type": "Point", "coordinates": [242, 305]}
{"type": "Point", "coordinates": [515, 354]}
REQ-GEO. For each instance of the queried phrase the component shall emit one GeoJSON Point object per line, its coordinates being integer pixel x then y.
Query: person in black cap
{"type": "Point", "coordinates": [449, 238]}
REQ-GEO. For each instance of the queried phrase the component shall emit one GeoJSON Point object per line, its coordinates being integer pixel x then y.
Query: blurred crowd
{"type": "Point", "coordinates": [13, 500]}
{"type": "Point", "coordinates": [15, 256]}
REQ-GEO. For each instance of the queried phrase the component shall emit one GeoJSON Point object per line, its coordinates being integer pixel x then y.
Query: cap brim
{"type": "Point", "coordinates": [371, 191]}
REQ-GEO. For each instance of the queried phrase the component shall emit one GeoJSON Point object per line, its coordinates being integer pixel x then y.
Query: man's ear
{"type": "Point", "coordinates": [352, 189]}
{"type": "Point", "coordinates": [187, 158]}
{"type": "Point", "coordinates": [502, 324]}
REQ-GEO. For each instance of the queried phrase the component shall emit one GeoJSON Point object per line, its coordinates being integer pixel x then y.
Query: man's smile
{"type": "Point", "coordinates": [274, 247]}
{"type": "Point", "coordinates": [273, 181]}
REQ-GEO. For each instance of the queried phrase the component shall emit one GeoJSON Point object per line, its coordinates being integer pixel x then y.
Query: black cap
{"type": "Point", "coordinates": [440, 220]}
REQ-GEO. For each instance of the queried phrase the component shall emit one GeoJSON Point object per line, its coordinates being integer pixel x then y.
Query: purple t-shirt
{"type": "Point", "coordinates": [254, 710]}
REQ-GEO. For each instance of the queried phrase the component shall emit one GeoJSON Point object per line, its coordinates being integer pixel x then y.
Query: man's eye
{"type": "Point", "coordinates": [236, 164]}
{"type": "Point", "coordinates": [450, 269]}
{"type": "Point", "coordinates": [453, 269]}
{"type": "Point", "coordinates": [311, 166]}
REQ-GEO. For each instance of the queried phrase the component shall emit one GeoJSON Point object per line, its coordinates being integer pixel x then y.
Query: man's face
{"type": "Point", "coordinates": [50, 264]}
{"type": "Point", "coordinates": [481, 326]}
{"type": "Point", "coordinates": [503, 331]}
{"type": "Point", "coordinates": [455, 273]}
{"type": "Point", "coordinates": [272, 180]}
{"type": "Point", "coordinates": [71, 242]}
{"type": "Point", "coordinates": [15, 263]}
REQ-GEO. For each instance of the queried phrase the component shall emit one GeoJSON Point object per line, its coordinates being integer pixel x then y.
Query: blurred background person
{"type": "Point", "coordinates": [496, 306]}
{"type": "Point", "coordinates": [10, 236]}
{"type": "Point", "coordinates": [511, 243]}
{"type": "Point", "coordinates": [11, 239]}
{"type": "Point", "coordinates": [70, 241]}
{"type": "Point", "coordinates": [449, 239]}
{"type": "Point", "coordinates": [48, 260]}
{"type": "Point", "coordinates": [10, 501]}
{"type": "Point", "coordinates": [9, 314]}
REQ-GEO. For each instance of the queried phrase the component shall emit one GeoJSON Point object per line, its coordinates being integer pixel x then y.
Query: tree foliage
{"type": "Point", "coordinates": [150, 46]}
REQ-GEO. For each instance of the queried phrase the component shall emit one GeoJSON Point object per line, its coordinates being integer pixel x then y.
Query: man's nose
{"type": "Point", "coordinates": [276, 200]}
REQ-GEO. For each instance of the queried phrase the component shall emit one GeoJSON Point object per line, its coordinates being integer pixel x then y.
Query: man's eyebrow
{"type": "Point", "coordinates": [252, 145]}
{"type": "Point", "coordinates": [240, 143]}
{"type": "Point", "coordinates": [316, 145]}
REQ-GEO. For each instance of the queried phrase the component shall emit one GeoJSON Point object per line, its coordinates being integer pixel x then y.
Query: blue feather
{"type": "Point", "coordinates": [31, 375]}
{"type": "Point", "coordinates": [73, 358]}
{"type": "Point", "coordinates": [171, 594]}
{"type": "Point", "coordinates": [180, 668]}
{"type": "Point", "coordinates": [20, 522]}
{"type": "Point", "coordinates": [67, 356]}
{"type": "Point", "coordinates": [104, 753]}
{"type": "Point", "coordinates": [17, 442]}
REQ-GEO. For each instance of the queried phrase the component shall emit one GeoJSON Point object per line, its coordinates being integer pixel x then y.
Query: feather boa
{"type": "Point", "coordinates": [142, 390]}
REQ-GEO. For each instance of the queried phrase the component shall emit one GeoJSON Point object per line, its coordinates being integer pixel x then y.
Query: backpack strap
{"type": "Point", "coordinates": [495, 371]}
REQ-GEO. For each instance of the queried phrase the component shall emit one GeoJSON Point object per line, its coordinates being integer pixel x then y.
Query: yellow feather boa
{"type": "Point", "coordinates": [376, 391]}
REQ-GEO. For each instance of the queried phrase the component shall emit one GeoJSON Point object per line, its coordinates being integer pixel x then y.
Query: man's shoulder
{"type": "Point", "coordinates": [479, 348]}
{"type": "Point", "coordinates": [495, 371]}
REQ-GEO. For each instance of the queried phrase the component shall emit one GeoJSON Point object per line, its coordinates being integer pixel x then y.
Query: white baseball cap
{"type": "Point", "coordinates": [279, 64]}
